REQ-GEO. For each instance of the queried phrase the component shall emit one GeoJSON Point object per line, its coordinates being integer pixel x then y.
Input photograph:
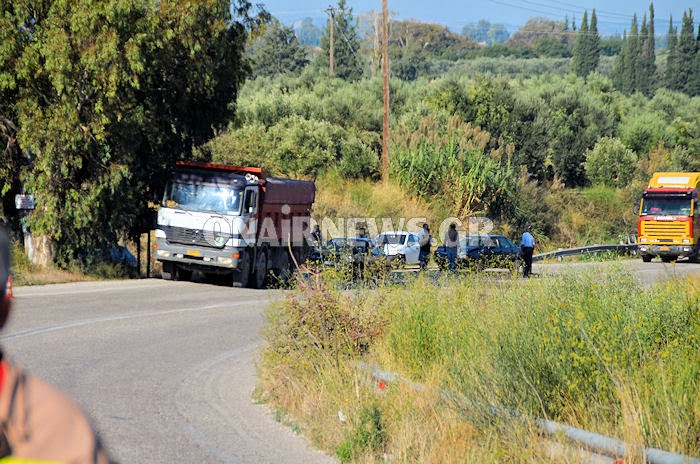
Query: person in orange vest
{"type": "Point", "coordinates": [39, 423]}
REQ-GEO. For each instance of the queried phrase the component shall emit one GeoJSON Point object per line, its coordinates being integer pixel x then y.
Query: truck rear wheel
{"type": "Point", "coordinates": [260, 272]}
{"type": "Point", "coordinates": [284, 269]}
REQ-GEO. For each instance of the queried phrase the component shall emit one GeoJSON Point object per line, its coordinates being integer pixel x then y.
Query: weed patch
{"type": "Point", "coordinates": [598, 351]}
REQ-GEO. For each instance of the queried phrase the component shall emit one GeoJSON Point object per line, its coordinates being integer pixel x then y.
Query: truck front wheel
{"type": "Point", "coordinates": [241, 277]}
{"type": "Point", "coordinates": [182, 274]}
{"type": "Point", "coordinates": [167, 272]}
{"type": "Point", "coordinates": [646, 258]}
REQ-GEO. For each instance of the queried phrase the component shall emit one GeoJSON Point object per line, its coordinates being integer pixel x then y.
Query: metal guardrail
{"type": "Point", "coordinates": [626, 245]}
{"type": "Point", "coordinates": [627, 248]}
{"type": "Point", "coordinates": [602, 444]}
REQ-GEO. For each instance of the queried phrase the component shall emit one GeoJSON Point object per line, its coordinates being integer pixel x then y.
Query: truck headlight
{"type": "Point", "coordinates": [224, 260]}
{"type": "Point", "coordinates": [686, 241]}
{"type": "Point", "coordinates": [163, 253]}
{"type": "Point", "coordinates": [642, 240]}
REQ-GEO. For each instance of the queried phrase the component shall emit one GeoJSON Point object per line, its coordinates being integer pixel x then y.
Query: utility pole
{"type": "Point", "coordinates": [331, 45]}
{"type": "Point", "coordinates": [385, 80]}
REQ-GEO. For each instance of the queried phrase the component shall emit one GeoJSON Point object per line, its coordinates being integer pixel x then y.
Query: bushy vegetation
{"type": "Point", "coordinates": [599, 351]}
{"type": "Point", "coordinates": [94, 150]}
{"type": "Point", "coordinates": [512, 149]}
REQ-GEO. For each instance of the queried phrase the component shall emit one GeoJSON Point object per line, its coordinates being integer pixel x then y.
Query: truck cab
{"type": "Point", "coordinates": [669, 217]}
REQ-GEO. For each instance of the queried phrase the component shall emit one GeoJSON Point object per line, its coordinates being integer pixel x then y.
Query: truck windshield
{"type": "Point", "coordinates": [202, 197]}
{"type": "Point", "coordinates": [666, 207]}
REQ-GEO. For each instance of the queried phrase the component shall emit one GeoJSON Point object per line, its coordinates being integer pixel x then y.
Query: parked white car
{"type": "Point", "coordinates": [399, 246]}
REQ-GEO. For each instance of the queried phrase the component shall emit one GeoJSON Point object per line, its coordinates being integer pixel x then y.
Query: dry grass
{"type": "Point", "coordinates": [45, 276]}
{"type": "Point", "coordinates": [26, 273]}
{"type": "Point", "coordinates": [602, 354]}
{"type": "Point", "coordinates": [337, 197]}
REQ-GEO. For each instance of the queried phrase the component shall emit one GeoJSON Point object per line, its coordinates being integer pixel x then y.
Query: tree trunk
{"type": "Point", "coordinates": [44, 250]}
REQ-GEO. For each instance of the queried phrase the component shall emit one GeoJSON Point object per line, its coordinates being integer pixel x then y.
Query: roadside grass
{"type": "Point", "coordinates": [479, 359]}
{"type": "Point", "coordinates": [24, 272]}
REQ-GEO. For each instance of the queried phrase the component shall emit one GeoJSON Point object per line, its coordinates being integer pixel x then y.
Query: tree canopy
{"type": "Point", "coordinates": [100, 99]}
{"type": "Point", "coordinates": [414, 47]}
{"type": "Point", "coordinates": [486, 32]}
{"type": "Point", "coordinates": [346, 45]}
{"type": "Point", "coordinates": [277, 51]}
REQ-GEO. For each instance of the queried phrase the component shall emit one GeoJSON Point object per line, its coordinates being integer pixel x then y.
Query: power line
{"type": "Point", "coordinates": [578, 8]}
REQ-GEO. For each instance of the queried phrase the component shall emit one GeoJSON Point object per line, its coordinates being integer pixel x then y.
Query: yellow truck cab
{"type": "Point", "coordinates": [669, 217]}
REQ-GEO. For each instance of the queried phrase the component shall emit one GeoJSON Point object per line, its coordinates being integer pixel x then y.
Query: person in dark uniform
{"type": "Point", "coordinates": [527, 246]}
{"type": "Point", "coordinates": [451, 244]}
{"type": "Point", "coordinates": [424, 242]}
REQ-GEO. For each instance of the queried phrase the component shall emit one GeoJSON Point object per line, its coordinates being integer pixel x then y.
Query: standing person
{"type": "Point", "coordinates": [424, 243]}
{"type": "Point", "coordinates": [527, 246]}
{"type": "Point", "coordinates": [38, 422]}
{"type": "Point", "coordinates": [451, 244]}
{"type": "Point", "coordinates": [316, 236]}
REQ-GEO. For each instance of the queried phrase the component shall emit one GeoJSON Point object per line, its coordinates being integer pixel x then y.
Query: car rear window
{"type": "Point", "coordinates": [392, 239]}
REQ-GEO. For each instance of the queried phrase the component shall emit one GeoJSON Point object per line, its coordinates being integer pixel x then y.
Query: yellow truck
{"type": "Point", "coordinates": [669, 217]}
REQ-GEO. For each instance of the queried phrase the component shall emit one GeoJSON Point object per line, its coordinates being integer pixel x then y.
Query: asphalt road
{"type": "Point", "coordinates": [646, 272]}
{"type": "Point", "coordinates": [166, 369]}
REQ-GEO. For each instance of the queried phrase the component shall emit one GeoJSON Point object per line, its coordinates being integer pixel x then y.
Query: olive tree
{"type": "Point", "coordinates": [610, 163]}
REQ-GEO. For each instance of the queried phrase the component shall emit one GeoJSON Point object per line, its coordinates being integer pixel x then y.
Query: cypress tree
{"type": "Point", "coordinates": [645, 72]}
{"type": "Point", "coordinates": [649, 56]}
{"type": "Point", "coordinates": [579, 61]}
{"type": "Point", "coordinates": [621, 65]}
{"type": "Point", "coordinates": [634, 52]}
{"type": "Point", "coordinates": [593, 44]}
{"type": "Point", "coordinates": [694, 82]}
{"type": "Point", "coordinates": [686, 51]}
{"type": "Point", "coordinates": [671, 76]}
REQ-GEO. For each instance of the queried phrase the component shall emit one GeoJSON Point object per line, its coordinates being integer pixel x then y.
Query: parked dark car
{"type": "Point", "coordinates": [483, 251]}
{"type": "Point", "coordinates": [344, 249]}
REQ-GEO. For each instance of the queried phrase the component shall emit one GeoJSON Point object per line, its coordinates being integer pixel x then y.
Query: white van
{"type": "Point", "coordinates": [401, 246]}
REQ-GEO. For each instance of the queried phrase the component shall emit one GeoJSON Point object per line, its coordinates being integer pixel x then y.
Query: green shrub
{"type": "Point", "coordinates": [368, 436]}
{"type": "Point", "coordinates": [642, 132]}
{"type": "Point", "coordinates": [610, 163]}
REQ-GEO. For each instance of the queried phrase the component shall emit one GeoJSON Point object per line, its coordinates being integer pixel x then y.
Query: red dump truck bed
{"type": "Point", "coordinates": [289, 191]}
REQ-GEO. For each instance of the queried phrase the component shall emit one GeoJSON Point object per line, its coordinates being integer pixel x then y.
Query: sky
{"type": "Point", "coordinates": [613, 16]}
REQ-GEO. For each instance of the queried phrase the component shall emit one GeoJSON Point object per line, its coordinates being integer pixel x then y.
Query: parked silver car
{"type": "Point", "coordinates": [400, 247]}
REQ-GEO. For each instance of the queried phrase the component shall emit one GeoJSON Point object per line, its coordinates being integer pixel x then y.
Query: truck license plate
{"type": "Point", "coordinates": [194, 253]}
{"type": "Point", "coordinates": [664, 248]}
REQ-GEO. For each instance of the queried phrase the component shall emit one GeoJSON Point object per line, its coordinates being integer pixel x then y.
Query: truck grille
{"type": "Point", "coordinates": [665, 230]}
{"type": "Point", "coordinates": [186, 236]}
